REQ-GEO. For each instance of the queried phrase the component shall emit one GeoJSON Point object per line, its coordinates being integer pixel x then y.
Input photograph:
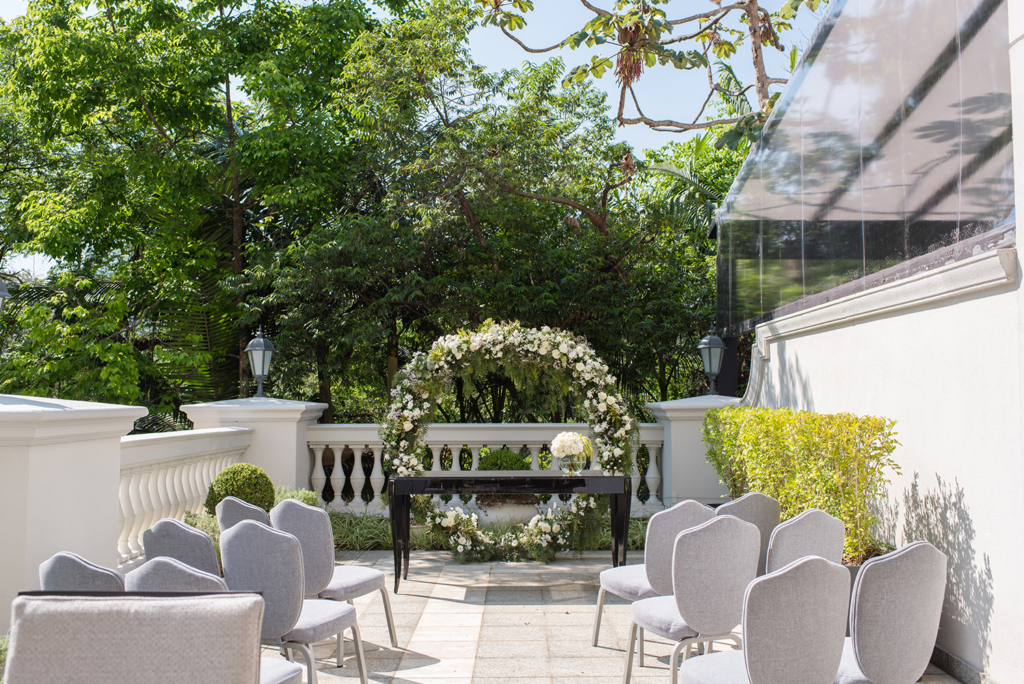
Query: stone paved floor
{"type": "Point", "coordinates": [498, 623]}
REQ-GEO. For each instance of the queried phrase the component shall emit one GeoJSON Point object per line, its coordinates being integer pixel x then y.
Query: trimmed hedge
{"type": "Point", "coordinates": [835, 462]}
{"type": "Point", "coordinates": [243, 481]}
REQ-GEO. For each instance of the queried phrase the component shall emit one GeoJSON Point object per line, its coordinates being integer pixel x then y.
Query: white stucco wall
{"type": "Point", "coordinates": [947, 368]}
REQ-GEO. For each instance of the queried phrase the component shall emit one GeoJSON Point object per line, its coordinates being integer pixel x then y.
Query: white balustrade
{"type": "Point", "coordinates": [535, 437]}
{"type": "Point", "coordinates": [164, 475]}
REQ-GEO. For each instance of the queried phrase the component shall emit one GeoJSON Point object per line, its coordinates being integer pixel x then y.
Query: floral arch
{"type": "Point", "coordinates": [524, 354]}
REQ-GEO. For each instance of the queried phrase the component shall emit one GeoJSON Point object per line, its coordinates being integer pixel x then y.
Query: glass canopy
{"type": "Point", "coordinates": [889, 152]}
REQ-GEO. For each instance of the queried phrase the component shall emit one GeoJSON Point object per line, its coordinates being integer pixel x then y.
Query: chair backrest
{"type": "Point", "coordinates": [261, 559]}
{"type": "Point", "coordinates": [170, 574]}
{"type": "Point", "coordinates": [895, 611]}
{"type": "Point", "coordinates": [232, 510]}
{"type": "Point", "coordinates": [794, 623]}
{"type": "Point", "coordinates": [66, 571]}
{"type": "Point", "coordinates": [662, 530]}
{"type": "Point", "coordinates": [174, 539]}
{"type": "Point", "coordinates": [173, 640]}
{"type": "Point", "coordinates": [812, 533]}
{"type": "Point", "coordinates": [712, 564]}
{"type": "Point", "coordinates": [312, 527]}
{"type": "Point", "coordinates": [758, 509]}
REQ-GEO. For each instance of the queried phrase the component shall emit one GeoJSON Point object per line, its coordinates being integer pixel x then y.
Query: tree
{"type": "Point", "coordinates": [642, 36]}
{"type": "Point", "coordinates": [159, 177]}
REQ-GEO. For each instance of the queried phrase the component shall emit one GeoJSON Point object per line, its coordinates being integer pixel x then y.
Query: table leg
{"type": "Point", "coordinates": [394, 507]}
{"type": "Point", "coordinates": [406, 535]}
{"type": "Point", "coordinates": [620, 528]}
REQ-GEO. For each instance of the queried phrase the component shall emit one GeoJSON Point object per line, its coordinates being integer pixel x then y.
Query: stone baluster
{"type": "Point", "coordinates": [377, 479]}
{"type": "Point", "coordinates": [165, 493]}
{"type": "Point", "coordinates": [126, 519]}
{"type": "Point", "coordinates": [338, 473]}
{"type": "Point", "coordinates": [196, 486]}
{"type": "Point", "coordinates": [634, 503]}
{"type": "Point", "coordinates": [654, 476]}
{"type": "Point", "coordinates": [135, 489]}
{"type": "Point", "coordinates": [178, 484]}
{"type": "Point", "coordinates": [317, 478]}
{"type": "Point", "coordinates": [358, 476]}
{"type": "Point", "coordinates": [151, 498]}
{"type": "Point", "coordinates": [535, 456]}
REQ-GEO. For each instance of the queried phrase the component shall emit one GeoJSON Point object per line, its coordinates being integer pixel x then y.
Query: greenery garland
{"type": "Point", "coordinates": [526, 355]}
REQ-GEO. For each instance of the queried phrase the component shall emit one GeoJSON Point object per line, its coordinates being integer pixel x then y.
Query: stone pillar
{"type": "Point", "coordinates": [279, 439]}
{"type": "Point", "coordinates": [60, 478]}
{"type": "Point", "coordinates": [686, 473]}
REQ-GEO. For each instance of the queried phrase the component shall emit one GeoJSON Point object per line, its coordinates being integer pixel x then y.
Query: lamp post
{"type": "Point", "coordinates": [260, 351]}
{"type": "Point", "coordinates": [712, 351]}
{"type": "Point", "coordinates": [4, 295]}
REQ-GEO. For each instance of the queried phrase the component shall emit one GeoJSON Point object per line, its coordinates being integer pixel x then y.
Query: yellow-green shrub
{"type": "Point", "coordinates": [835, 462]}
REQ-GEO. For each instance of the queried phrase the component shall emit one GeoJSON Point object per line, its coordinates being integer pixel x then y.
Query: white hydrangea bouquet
{"type": "Point", "coordinates": [572, 450]}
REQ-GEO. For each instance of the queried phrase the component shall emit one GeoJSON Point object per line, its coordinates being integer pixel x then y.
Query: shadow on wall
{"type": "Point", "coordinates": [793, 389]}
{"type": "Point", "coordinates": [940, 516]}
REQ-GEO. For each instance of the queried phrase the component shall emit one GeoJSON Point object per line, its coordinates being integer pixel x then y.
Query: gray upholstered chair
{"type": "Point", "coordinates": [66, 571]}
{"type": "Point", "coordinates": [712, 564]}
{"type": "Point", "coordinates": [794, 621]}
{"type": "Point", "coordinates": [894, 616]}
{"type": "Point", "coordinates": [259, 558]}
{"type": "Point", "coordinates": [758, 509]}
{"type": "Point", "coordinates": [170, 575]}
{"type": "Point", "coordinates": [654, 576]}
{"type": "Point", "coordinates": [312, 527]}
{"type": "Point", "coordinates": [232, 510]}
{"type": "Point", "coordinates": [812, 533]}
{"type": "Point", "coordinates": [159, 640]}
{"type": "Point", "coordinates": [174, 539]}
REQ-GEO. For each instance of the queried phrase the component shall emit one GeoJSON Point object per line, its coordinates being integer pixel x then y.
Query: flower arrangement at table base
{"type": "Point", "coordinates": [555, 530]}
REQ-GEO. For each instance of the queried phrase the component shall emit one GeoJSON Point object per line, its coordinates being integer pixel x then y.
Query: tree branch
{"type": "Point", "coordinates": [596, 219]}
{"type": "Point", "coordinates": [470, 217]}
{"type": "Point", "coordinates": [596, 10]}
{"type": "Point", "coordinates": [523, 45]}
{"type": "Point", "coordinates": [706, 15]}
{"type": "Point", "coordinates": [679, 39]}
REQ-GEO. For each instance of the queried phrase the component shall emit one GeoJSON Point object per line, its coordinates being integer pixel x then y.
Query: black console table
{"type": "Point", "coordinates": [401, 489]}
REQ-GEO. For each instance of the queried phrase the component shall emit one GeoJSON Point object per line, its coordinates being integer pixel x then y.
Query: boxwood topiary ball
{"type": "Point", "coordinates": [244, 481]}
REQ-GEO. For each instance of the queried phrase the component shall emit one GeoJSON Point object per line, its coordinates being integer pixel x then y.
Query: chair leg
{"type": "Point", "coordinates": [597, 617]}
{"type": "Point", "coordinates": [673, 661]}
{"type": "Point", "coordinates": [390, 618]}
{"type": "Point", "coordinates": [640, 637]}
{"type": "Point", "coordinates": [340, 653]}
{"type": "Point", "coordinates": [310, 663]}
{"type": "Point", "coordinates": [630, 646]}
{"type": "Point", "coordinates": [360, 659]}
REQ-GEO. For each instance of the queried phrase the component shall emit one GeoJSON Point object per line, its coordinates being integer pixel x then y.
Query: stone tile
{"type": "Point", "coordinates": [536, 632]}
{"type": "Point", "coordinates": [534, 679]}
{"type": "Point", "coordinates": [510, 619]}
{"type": "Point", "coordinates": [570, 649]}
{"type": "Point", "coordinates": [422, 648]}
{"type": "Point", "coordinates": [450, 619]}
{"type": "Point", "coordinates": [537, 666]}
{"type": "Point", "coordinates": [450, 633]}
{"type": "Point", "coordinates": [512, 649]}
{"type": "Point", "coordinates": [433, 668]}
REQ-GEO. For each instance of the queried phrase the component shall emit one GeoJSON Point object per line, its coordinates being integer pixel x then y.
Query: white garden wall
{"type": "Point", "coordinates": [941, 354]}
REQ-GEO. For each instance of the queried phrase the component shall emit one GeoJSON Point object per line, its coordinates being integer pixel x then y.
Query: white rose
{"type": "Point", "coordinates": [556, 529]}
{"type": "Point", "coordinates": [396, 462]}
{"type": "Point", "coordinates": [602, 396]}
{"type": "Point", "coordinates": [407, 426]}
{"type": "Point", "coordinates": [602, 407]}
{"type": "Point", "coordinates": [460, 547]}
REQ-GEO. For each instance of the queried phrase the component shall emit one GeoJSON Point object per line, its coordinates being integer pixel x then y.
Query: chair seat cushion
{"type": "Point", "coordinates": [727, 667]}
{"type": "Point", "coordinates": [321, 620]}
{"type": "Point", "coordinates": [279, 671]}
{"type": "Point", "coordinates": [628, 581]}
{"type": "Point", "coordinates": [351, 581]}
{"type": "Point", "coordinates": [849, 671]}
{"type": "Point", "coordinates": [661, 616]}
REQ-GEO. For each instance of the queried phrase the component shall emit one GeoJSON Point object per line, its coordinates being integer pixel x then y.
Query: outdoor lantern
{"type": "Point", "coordinates": [260, 351]}
{"type": "Point", "coordinates": [712, 351]}
{"type": "Point", "coordinates": [4, 295]}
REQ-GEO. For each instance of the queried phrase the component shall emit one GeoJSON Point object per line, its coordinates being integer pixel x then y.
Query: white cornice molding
{"type": "Point", "coordinates": [25, 421]}
{"type": "Point", "coordinates": [255, 409]}
{"type": "Point", "coordinates": [986, 271]}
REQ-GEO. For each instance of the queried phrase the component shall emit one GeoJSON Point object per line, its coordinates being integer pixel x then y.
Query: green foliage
{"type": "Point", "coordinates": [835, 462]}
{"type": "Point", "coordinates": [503, 459]}
{"type": "Point", "coordinates": [3, 652]}
{"type": "Point", "coordinates": [353, 532]}
{"type": "Point", "coordinates": [243, 481]}
{"type": "Point", "coordinates": [306, 496]}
